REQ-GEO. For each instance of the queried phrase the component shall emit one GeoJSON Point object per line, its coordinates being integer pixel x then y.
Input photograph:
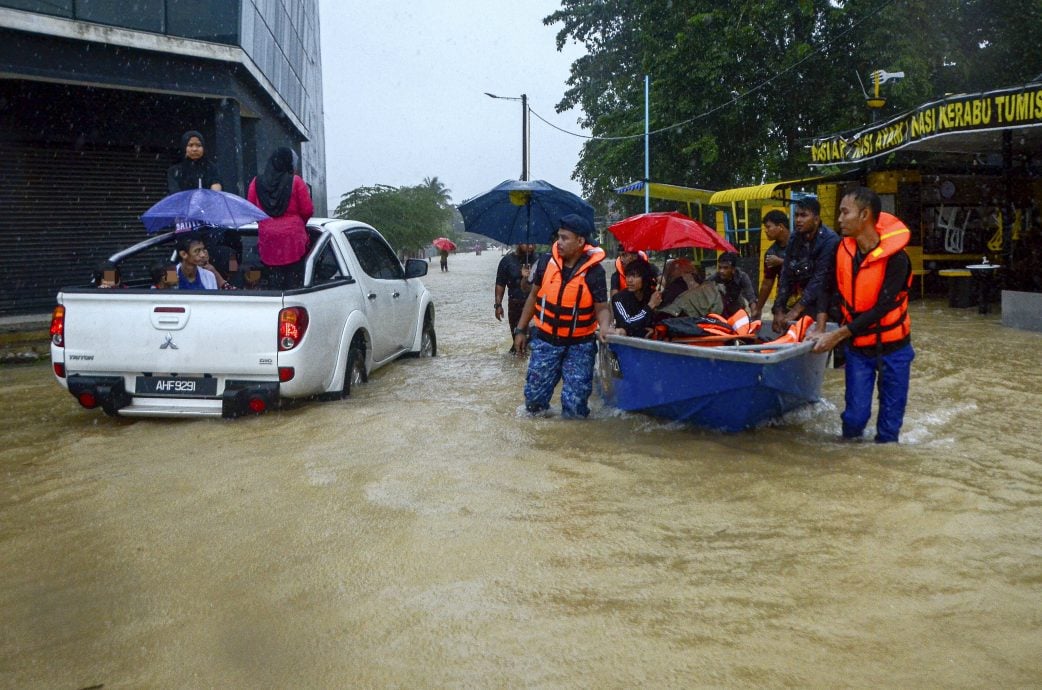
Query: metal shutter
{"type": "Point", "coordinates": [63, 211]}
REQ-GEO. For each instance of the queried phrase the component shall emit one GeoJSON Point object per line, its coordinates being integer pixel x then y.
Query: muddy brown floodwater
{"type": "Point", "coordinates": [424, 533]}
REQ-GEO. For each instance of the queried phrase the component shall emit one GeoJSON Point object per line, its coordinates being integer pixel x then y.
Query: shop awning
{"type": "Point", "coordinates": [668, 192]}
{"type": "Point", "coordinates": [760, 192]}
{"type": "Point", "coordinates": [974, 124]}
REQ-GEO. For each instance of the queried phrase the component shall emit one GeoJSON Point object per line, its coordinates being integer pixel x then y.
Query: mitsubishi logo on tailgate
{"type": "Point", "coordinates": [168, 344]}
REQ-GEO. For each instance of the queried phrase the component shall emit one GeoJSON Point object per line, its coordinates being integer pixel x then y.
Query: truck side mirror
{"type": "Point", "coordinates": [415, 268]}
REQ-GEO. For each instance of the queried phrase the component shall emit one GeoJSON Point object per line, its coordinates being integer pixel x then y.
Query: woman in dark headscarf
{"type": "Point", "coordinates": [195, 171]}
{"type": "Point", "coordinates": [283, 240]}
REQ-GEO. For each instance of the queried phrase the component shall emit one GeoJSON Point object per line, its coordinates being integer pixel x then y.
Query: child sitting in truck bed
{"type": "Point", "coordinates": [106, 275]}
{"type": "Point", "coordinates": [164, 276]}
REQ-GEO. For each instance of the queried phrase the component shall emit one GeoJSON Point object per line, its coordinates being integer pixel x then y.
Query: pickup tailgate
{"type": "Point", "coordinates": [132, 332]}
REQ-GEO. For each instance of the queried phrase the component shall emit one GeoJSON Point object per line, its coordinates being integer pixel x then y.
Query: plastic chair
{"type": "Point", "coordinates": [915, 255]}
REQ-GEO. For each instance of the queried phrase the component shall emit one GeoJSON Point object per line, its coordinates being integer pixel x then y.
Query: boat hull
{"type": "Point", "coordinates": [724, 388]}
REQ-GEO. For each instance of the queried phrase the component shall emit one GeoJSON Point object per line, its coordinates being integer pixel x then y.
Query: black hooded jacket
{"type": "Point", "coordinates": [189, 174]}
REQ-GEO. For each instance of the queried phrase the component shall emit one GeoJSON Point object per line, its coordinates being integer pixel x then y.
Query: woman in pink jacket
{"type": "Point", "coordinates": [283, 240]}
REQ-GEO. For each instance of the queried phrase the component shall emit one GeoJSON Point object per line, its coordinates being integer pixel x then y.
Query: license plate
{"type": "Point", "coordinates": [179, 386]}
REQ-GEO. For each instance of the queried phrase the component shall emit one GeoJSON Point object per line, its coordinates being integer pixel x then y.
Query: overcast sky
{"type": "Point", "coordinates": [404, 94]}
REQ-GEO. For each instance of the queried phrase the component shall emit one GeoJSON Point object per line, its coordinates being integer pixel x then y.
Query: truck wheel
{"type": "Point", "coordinates": [428, 340]}
{"type": "Point", "coordinates": [354, 374]}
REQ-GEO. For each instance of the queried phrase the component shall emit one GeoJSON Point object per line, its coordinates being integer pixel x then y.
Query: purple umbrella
{"type": "Point", "coordinates": [197, 207]}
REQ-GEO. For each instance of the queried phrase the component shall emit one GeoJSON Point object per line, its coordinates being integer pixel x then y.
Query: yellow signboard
{"type": "Point", "coordinates": [1003, 109]}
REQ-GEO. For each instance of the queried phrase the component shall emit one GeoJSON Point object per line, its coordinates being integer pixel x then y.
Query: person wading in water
{"type": "Point", "coordinates": [568, 300]}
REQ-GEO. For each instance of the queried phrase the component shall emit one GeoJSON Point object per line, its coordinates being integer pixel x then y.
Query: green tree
{"type": "Point", "coordinates": [707, 60]}
{"type": "Point", "coordinates": [409, 217]}
{"type": "Point", "coordinates": [752, 83]}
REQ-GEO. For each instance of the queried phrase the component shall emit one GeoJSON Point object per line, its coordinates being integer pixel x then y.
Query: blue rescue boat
{"type": "Point", "coordinates": [730, 388]}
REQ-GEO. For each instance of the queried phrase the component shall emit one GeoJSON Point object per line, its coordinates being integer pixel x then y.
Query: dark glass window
{"type": "Point", "coordinates": [204, 20]}
{"type": "Point", "coordinates": [58, 8]}
{"type": "Point", "coordinates": [326, 267]}
{"type": "Point", "coordinates": [145, 15]}
{"type": "Point", "coordinates": [250, 253]}
{"type": "Point", "coordinates": [375, 256]}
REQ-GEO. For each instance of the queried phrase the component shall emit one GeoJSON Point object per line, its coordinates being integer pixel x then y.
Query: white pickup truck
{"type": "Point", "coordinates": [145, 352]}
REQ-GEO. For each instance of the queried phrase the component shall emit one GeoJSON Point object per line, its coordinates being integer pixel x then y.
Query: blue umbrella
{"type": "Point", "coordinates": [519, 211]}
{"type": "Point", "coordinates": [197, 207]}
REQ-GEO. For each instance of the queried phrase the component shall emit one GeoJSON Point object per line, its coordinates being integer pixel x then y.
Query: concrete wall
{"type": "Point", "coordinates": [1022, 310]}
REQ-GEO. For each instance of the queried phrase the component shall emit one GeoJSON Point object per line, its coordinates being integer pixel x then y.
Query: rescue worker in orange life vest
{"type": "Point", "coordinates": [567, 304]}
{"type": "Point", "coordinates": [625, 258]}
{"type": "Point", "coordinates": [873, 274]}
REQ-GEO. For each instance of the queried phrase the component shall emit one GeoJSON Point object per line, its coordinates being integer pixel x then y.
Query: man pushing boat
{"type": "Point", "coordinates": [567, 303]}
{"type": "Point", "coordinates": [873, 274]}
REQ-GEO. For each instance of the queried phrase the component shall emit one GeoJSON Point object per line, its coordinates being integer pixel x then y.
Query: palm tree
{"type": "Point", "coordinates": [437, 188]}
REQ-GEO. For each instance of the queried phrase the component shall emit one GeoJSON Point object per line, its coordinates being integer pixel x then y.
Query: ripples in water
{"type": "Point", "coordinates": [424, 533]}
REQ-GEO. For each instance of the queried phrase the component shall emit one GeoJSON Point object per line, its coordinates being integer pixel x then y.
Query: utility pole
{"type": "Point", "coordinates": [525, 132]}
{"type": "Point", "coordinates": [647, 143]}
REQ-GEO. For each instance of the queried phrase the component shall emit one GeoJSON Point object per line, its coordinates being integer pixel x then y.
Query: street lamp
{"type": "Point", "coordinates": [524, 129]}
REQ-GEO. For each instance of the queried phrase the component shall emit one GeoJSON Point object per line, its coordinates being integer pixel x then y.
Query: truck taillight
{"type": "Point", "coordinates": [293, 323]}
{"type": "Point", "coordinates": [58, 326]}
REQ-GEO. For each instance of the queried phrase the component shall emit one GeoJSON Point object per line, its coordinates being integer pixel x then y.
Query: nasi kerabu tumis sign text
{"type": "Point", "coordinates": [1003, 109]}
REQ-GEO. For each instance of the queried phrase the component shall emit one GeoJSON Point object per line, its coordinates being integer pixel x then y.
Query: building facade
{"type": "Point", "coordinates": [94, 98]}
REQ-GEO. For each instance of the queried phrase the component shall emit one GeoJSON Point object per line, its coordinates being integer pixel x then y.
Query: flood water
{"type": "Point", "coordinates": [424, 533]}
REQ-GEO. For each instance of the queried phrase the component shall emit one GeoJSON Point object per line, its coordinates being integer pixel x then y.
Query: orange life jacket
{"type": "Point", "coordinates": [716, 324]}
{"type": "Point", "coordinates": [716, 329]}
{"type": "Point", "coordinates": [620, 270]}
{"type": "Point", "coordinates": [796, 333]}
{"type": "Point", "coordinates": [737, 324]}
{"type": "Point", "coordinates": [742, 324]}
{"type": "Point", "coordinates": [860, 293]}
{"type": "Point", "coordinates": [565, 309]}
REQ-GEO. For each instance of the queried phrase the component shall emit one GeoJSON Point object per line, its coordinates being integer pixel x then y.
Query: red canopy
{"type": "Point", "coordinates": [444, 243]}
{"type": "Point", "coordinates": [667, 230]}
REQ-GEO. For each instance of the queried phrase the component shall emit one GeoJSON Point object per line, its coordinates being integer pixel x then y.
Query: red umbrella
{"type": "Point", "coordinates": [444, 243]}
{"type": "Point", "coordinates": [667, 230]}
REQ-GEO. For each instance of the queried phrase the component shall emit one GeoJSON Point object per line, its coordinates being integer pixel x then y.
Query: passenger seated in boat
{"type": "Point", "coordinates": [634, 307]}
{"type": "Point", "coordinates": [680, 275]}
{"type": "Point", "coordinates": [625, 258]}
{"type": "Point", "coordinates": [736, 286]}
{"type": "Point", "coordinates": [702, 299]}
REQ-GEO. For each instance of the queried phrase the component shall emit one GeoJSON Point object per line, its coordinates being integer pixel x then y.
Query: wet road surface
{"type": "Point", "coordinates": [424, 533]}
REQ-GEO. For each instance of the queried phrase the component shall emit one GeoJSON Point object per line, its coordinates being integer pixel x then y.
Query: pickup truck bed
{"type": "Point", "coordinates": [146, 352]}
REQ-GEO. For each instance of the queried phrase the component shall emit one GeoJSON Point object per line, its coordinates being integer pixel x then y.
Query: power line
{"type": "Point", "coordinates": [737, 97]}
